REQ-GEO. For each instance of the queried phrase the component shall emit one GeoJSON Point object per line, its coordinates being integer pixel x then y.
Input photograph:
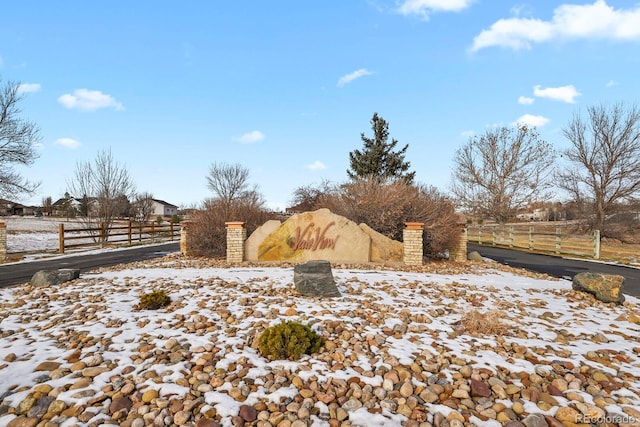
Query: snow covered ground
{"type": "Point", "coordinates": [38, 237]}
{"type": "Point", "coordinates": [34, 234]}
{"type": "Point", "coordinates": [394, 354]}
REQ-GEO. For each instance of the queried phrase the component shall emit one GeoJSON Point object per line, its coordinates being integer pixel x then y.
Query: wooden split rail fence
{"type": "Point", "coordinates": [543, 239]}
{"type": "Point", "coordinates": [120, 234]}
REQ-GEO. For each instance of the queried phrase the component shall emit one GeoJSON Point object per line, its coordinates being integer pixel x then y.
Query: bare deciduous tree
{"type": "Point", "coordinates": [501, 171]}
{"type": "Point", "coordinates": [18, 139]}
{"type": "Point", "coordinates": [108, 184]}
{"type": "Point", "coordinates": [143, 206]}
{"type": "Point", "coordinates": [604, 159]}
{"type": "Point", "coordinates": [47, 206]}
{"type": "Point", "coordinates": [230, 183]}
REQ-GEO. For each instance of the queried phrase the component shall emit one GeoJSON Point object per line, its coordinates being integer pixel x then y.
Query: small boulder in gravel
{"type": "Point", "coordinates": [314, 279]}
{"type": "Point", "coordinates": [605, 287]}
{"type": "Point", "coordinates": [475, 256]}
{"type": "Point", "coordinates": [45, 278]}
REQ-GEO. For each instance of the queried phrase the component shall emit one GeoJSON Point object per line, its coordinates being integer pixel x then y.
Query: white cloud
{"type": "Point", "coordinates": [467, 133]}
{"type": "Point", "coordinates": [422, 8]}
{"type": "Point", "coordinates": [524, 100]}
{"type": "Point", "coordinates": [28, 87]}
{"type": "Point", "coordinates": [68, 142]}
{"type": "Point", "coordinates": [89, 100]}
{"type": "Point", "coordinates": [570, 21]}
{"type": "Point", "coordinates": [611, 83]}
{"type": "Point", "coordinates": [348, 78]}
{"type": "Point", "coordinates": [563, 93]}
{"type": "Point", "coordinates": [531, 120]}
{"type": "Point", "coordinates": [316, 166]}
{"type": "Point", "coordinates": [521, 10]}
{"type": "Point", "coordinates": [251, 137]}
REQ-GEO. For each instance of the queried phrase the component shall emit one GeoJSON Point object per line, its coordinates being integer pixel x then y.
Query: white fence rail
{"type": "Point", "coordinates": [541, 238]}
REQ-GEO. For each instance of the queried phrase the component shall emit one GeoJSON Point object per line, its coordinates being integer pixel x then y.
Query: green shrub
{"type": "Point", "coordinates": [154, 300]}
{"type": "Point", "coordinates": [289, 340]}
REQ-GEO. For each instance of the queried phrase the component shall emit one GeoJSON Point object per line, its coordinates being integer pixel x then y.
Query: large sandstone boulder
{"type": "Point", "coordinates": [605, 287]}
{"type": "Point", "coordinates": [383, 249]}
{"type": "Point", "coordinates": [252, 244]}
{"type": "Point", "coordinates": [318, 235]}
{"type": "Point", "coordinates": [54, 277]}
{"type": "Point", "coordinates": [314, 279]}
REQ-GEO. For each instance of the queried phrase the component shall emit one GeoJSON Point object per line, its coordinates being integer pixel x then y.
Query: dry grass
{"type": "Point", "coordinates": [624, 253]}
{"type": "Point", "coordinates": [489, 323]}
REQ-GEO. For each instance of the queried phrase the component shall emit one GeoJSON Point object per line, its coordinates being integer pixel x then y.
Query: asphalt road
{"type": "Point", "coordinates": [13, 274]}
{"type": "Point", "coordinates": [560, 267]}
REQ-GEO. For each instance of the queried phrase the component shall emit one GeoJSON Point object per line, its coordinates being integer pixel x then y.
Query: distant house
{"type": "Point", "coordinates": [7, 208]}
{"type": "Point", "coordinates": [73, 206]}
{"type": "Point", "coordinates": [540, 214]}
{"type": "Point", "coordinates": [162, 208]}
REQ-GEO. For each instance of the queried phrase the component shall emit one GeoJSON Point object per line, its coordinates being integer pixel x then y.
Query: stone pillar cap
{"type": "Point", "coordinates": [414, 225]}
{"type": "Point", "coordinates": [234, 224]}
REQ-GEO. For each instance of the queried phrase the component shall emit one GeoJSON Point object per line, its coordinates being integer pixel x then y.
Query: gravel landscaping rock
{"type": "Point", "coordinates": [398, 349]}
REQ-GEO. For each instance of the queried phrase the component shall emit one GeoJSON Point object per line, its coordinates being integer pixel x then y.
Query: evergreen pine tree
{"type": "Point", "coordinates": [378, 158]}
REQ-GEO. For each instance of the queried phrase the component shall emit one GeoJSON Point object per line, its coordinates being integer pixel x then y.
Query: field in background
{"type": "Point", "coordinates": [31, 238]}
{"type": "Point", "coordinates": [623, 253]}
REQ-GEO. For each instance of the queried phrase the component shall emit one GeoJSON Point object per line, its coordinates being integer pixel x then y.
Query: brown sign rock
{"type": "Point", "coordinates": [318, 235]}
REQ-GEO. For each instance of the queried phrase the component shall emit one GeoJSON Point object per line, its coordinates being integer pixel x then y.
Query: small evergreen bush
{"type": "Point", "coordinates": [154, 300]}
{"type": "Point", "coordinates": [289, 340]}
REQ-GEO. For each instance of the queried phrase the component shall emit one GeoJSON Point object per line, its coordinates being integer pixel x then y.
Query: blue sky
{"type": "Point", "coordinates": [286, 87]}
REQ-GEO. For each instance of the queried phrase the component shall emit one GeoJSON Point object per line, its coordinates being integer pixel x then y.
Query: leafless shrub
{"type": "Point", "coordinates": [490, 323]}
{"type": "Point", "coordinates": [207, 231]}
{"type": "Point", "coordinates": [385, 205]}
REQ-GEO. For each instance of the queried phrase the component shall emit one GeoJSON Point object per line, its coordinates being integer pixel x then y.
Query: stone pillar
{"type": "Point", "coordinates": [459, 252]}
{"type": "Point", "coordinates": [236, 235]}
{"type": "Point", "coordinates": [412, 243]}
{"type": "Point", "coordinates": [3, 242]}
{"type": "Point", "coordinates": [184, 237]}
